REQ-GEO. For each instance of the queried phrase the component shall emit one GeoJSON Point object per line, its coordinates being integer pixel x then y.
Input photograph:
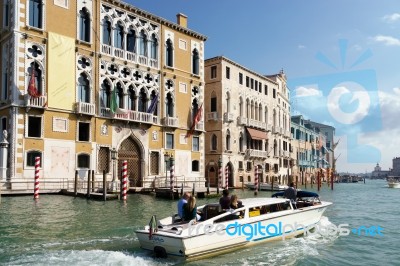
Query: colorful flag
{"type": "Point", "coordinates": [153, 105]}
{"type": "Point", "coordinates": [32, 90]}
{"type": "Point", "coordinates": [196, 120]}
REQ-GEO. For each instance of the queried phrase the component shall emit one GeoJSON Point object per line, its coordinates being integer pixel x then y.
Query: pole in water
{"type": "Point", "coordinates": [36, 189]}
{"type": "Point", "coordinates": [226, 177]}
{"type": "Point", "coordinates": [255, 180]}
{"type": "Point", "coordinates": [124, 179]}
{"type": "Point", "coordinates": [104, 185]}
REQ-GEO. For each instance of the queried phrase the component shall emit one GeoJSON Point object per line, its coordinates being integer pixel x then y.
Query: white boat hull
{"type": "Point", "coordinates": [197, 243]}
{"type": "Point", "coordinates": [394, 184]}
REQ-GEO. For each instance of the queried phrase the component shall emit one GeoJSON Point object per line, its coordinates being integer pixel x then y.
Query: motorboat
{"type": "Point", "coordinates": [394, 183]}
{"type": "Point", "coordinates": [258, 220]}
{"type": "Point", "coordinates": [266, 186]}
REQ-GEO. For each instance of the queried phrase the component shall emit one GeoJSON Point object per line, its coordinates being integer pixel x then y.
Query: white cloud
{"type": "Point", "coordinates": [396, 90]}
{"type": "Point", "coordinates": [387, 40]}
{"type": "Point", "coordinates": [300, 46]}
{"type": "Point", "coordinates": [303, 92]}
{"type": "Point", "coordinates": [391, 18]}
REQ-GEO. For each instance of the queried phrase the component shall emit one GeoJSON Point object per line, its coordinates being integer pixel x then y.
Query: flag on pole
{"type": "Point", "coordinates": [32, 89]}
{"type": "Point", "coordinates": [196, 120]}
{"type": "Point", "coordinates": [153, 105]}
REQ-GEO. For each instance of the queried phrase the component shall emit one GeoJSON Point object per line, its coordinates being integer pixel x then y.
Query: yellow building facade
{"type": "Point", "coordinates": [88, 84]}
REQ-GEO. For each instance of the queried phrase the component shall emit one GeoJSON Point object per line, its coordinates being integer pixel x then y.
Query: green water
{"type": "Point", "coordinates": [62, 230]}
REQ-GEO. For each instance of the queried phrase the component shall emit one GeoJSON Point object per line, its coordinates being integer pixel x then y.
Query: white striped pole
{"type": "Point", "coordinates": [220, 177]}
{"type": "Point", "coordinates": [124, 179]}
{"type": "Point", "coordinates": [36, 189]}
{"type": "Point", "coordinates": [172, 173]}
{"type": "Point", "coordinates": [256, 180]}
{"type": "Point", "coordinates": [226, 177]}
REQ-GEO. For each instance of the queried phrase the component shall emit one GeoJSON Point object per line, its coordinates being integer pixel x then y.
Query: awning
{"type": "Point", "coordinates": [257, 134]}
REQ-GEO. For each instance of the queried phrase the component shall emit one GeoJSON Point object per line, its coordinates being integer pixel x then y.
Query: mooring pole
{"type": "Point", "coordinates": [104, 185]}
{"type": "Point", "coordinates": [76, 184]}
{"type": "Point", "coordinates": [88, 185]}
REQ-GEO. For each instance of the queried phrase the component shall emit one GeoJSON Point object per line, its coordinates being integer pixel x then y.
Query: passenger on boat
{"type": "Point", "coordinates": [225, 200]}
{"type": "Point", "coordinates": [291, 193]}
{"type": "Point", "coordinates": [181, 202]}
{"type": "Point", "coordinates": [190, 210]}
{"type": "Point", "coordinates": [235, 203]}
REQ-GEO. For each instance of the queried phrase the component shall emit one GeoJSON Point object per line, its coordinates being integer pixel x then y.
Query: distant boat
{"type": "Point", "coordinates": [266, 186]}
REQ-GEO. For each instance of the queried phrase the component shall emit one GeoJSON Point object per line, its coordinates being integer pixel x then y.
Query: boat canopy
{"type": "Point", "coordinates": [300, 194]}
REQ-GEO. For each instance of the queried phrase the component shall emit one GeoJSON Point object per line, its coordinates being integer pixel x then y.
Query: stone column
{"type": "Point", "coordinates": [3, 156]}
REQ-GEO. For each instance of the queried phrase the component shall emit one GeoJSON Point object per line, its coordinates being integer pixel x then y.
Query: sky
{"type": "Point", "coordinates": [341, 59]}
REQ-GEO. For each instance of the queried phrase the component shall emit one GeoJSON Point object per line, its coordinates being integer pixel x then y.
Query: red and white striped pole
{"type": "Point", "coordinates": [219, 178]}
{"type": "Point", "coordinates": [226, 177]}
{"type": "Point", "coordinates": [124, 179]}
{"type": "Point", "coordinates": [256, 180]}
{"type": "Point", "coordinates": [36, 189]}
{"type": "Point", "coordinates": [172, 173]}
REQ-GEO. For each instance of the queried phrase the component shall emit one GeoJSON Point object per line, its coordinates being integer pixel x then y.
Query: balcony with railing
{"type": "Point", "coordinates": [129, 115]}
{"type": "Point", "coordinates": [85, 108]}
{"type": "Point", "coordinates": [256, 123]}
{"type": "Point", "coordinates": [242, 121]}
{"type": "Point", "coordinates": [170, 121]}
{"type": "Point", "coordinates": [228, 117]}
{"type": "Point", "coordinates": [256, 153]}
{"type": "Point", "coordinates": [128, 56]}
{"type": "Point", "coordinates": [213, 116]}
{"type": "Point", "coordinates": [36, 102]}
{"type": "Point", "coordinates": [199, 126]}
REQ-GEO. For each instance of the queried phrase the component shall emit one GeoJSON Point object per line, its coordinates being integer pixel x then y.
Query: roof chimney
{"type": "Point", "coordinates": [181, 20]}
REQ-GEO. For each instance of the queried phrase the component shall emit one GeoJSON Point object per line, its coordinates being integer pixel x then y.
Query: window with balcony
{"type": "Point", "coordinates": [83, 131]}
{"type": "Point", "coordinates": [169, 141]}
{"type": "Point", "coordinates": [83, 89]}
{"type": "Point", "coordinates": [153, 47]}
{"type": "Point", "coordinates": [195, 62]}
{"type": "Point", "coordinates": [213, 102]}
{"type": "Point", "coordinates": [106, 31]}
{"type": "Point", "coordinates": [213, 72]}
{"type": "Point", "coordinates": [195, 166]}
{"type": "Point", "coordinates": [83, 161]}
{"type": "Point", "coordinates": [195, 143]}
{"type": "Point", "coordinates": [131, 41]}
{"type": "Point", "coordinates": [84, 25]}
{"type": "Point", "coordinates": [169, 105]}
{"type": "Point", "coordinates": [142, 104]}
{"type": "Point", "coordinates": [35, 79]}
{"type": "Point", "coordinates": [34, 127]}
{"type": "Point", "coordinates": [214, 142]}
{"type": "Point", "coordinates": [105, 94]}
{"type": "Point", "coordinates": [119, 36]}
{"type": "Point", "coordinates": [169, 56]}
{"type": "Point", "coordinates": [31, 156]}
{"type": "Point", "coordinates": [120, 96]}
{"type": "Point", "coordinates": [143, 42]}
{"type": "Point", "coordinates": [131, 99]}
{"type": "Point", "coordinates": [36, 13]}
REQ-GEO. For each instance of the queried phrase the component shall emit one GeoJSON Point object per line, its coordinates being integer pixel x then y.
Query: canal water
{"type": "Point", "coordinates": [62, 230]}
